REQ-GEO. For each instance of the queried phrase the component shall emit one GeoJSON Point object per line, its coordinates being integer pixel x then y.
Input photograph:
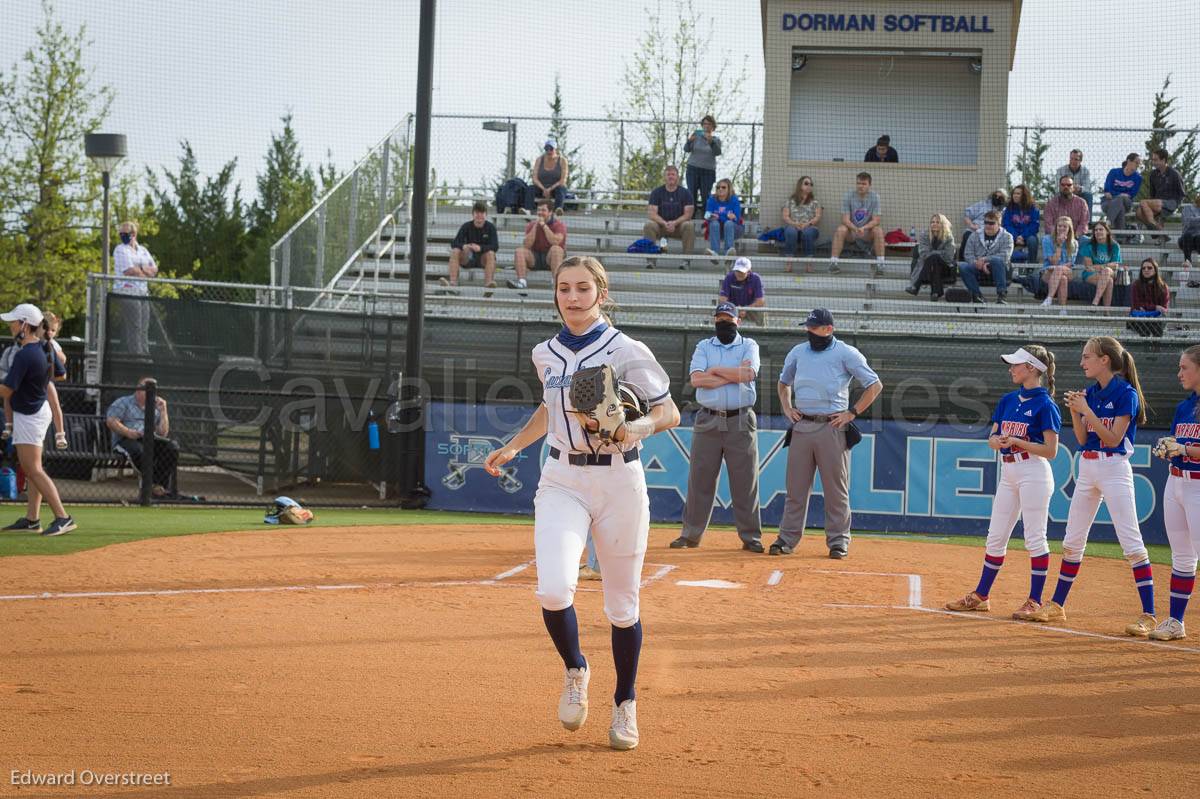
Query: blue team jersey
{"type": "Point", "coordinates": [1026, 414]}
{"type": "Point", "coordinates": [1186, 429]}
{"type": "Point", "coordinates": [1119, 399]}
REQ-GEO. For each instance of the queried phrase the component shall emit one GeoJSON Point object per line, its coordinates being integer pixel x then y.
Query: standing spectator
{"type": "Point", "coordinates": [670, 210]}
{"type": "Point", "coordinates": [126, 420]}
{"type": "Point", "coordinates": [1021, 219]}
{"type": "Point", "coordinates": [1066, 203]}
{"type": "Point", "coordinates": [801, 216]}
{"type": "Point", "coordinates": [723, 370]}
{"type": "Point", "coordinates": [860, 223]}
{"type": "Point", "coordinates": [1189, 235]}
{"type": "Point", "coordinates": [132, 261]}
{"type": "Point", "coordinates": [988, 253]}
{"type": "Point", "coordinates": [25, 393]}
{"type": "Point", "coordinates": [973, 216]}
{"type": "Point", "coordinates": [1058, 258]}
{"type": "Point", "coordinates": [882, 152]}
{"type": "Point", "coordinates": [1167, 192]}
{"type": "Point", "coordinates": [474, 246]}
{"type": "Point", "coordinates": [702, 148]}
{"type": "Point", "coordinates": [1150, 296]}
{"type": "Point", "coordinates": [549, 178]}
{"type": "Point", "coordinates": [724, 215]}
{"type": "Point", "coordinates": [1120, 187]}
{"type": "Point", "coordinates": [1080, 177]}
{"type": "Point", "coordinates": [935, 258]}
{"type": "Point", "coordinates": [814, 388]}
{"type": "Point", "coordinates": [544, 246]}
{"type": "Point", "coordinates": [1101, 256]}
{"type": "Point", "coordinates": [743, 289]}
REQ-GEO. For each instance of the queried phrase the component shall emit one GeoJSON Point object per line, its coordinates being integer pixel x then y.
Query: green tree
{"type": "Point", "coordinates": [580, 176]}
{"type": "Point", "coordinates": [673, 78]}
{"type": "Point", "coordinates": [201, 222]}
{"type": "Point", "coordinates": [1185, 155]}
{"type": "Point", "coordinates": [286, 190]}
{"type": "Point", "coordinates": [1029, 165]}
{"type": "Point", "coordinates": [48, 191]}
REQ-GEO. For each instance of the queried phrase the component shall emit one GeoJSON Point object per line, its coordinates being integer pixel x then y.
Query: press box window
{"type": "Point", "coordinates": [842, 101]}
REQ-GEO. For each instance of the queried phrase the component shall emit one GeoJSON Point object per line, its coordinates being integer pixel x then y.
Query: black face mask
{"type": "Point", "coordinates": [726, 332]}
{"type": "Point", "coordinates": [819, 343]}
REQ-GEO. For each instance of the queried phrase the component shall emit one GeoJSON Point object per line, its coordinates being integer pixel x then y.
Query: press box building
{"type": "Point", "coordinates": [931, 75]}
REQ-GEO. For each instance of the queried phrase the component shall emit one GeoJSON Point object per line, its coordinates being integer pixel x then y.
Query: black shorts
{"type": "Point", "coordinates": [541, 260]}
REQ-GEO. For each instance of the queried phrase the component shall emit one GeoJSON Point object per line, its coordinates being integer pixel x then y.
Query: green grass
{"type": "Point", "coordinates": [99, 527]}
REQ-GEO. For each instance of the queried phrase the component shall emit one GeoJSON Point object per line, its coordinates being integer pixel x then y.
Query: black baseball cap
{"type": "Point", "coordinates": [819, 317]}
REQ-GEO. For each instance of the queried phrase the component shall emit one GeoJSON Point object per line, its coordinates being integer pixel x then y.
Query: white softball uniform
{"type": "Point", "coordinates": [1026, 480]}
{"type": "Point", "coordinates": [588, 486]}
{"type": "Point", "coordinates": [1181, 495]}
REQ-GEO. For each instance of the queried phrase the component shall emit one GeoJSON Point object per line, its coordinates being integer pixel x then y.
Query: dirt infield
{"type": "Point", "coordinates": [418, 671]}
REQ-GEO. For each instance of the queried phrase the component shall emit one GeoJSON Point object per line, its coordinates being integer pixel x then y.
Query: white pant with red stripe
{"type": "Point", "coordinates": [1024, 491]}
{"type": "Point", "coordinates": [1110, 479]}
{"type": "Point", "coordinates": [1181, 516]}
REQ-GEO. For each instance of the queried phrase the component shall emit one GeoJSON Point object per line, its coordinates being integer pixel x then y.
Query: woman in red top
{"type": "Point", "coordinates": [1150, 295]}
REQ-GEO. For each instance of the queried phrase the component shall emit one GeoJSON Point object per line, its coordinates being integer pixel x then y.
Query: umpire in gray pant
{"type": "Point", "coordinates": [723, 370]}
{"type": "Point", "coordinates": [814, 389]}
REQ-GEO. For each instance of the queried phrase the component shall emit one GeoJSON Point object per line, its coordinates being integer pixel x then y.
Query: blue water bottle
{"type": "Point", "coordinates": [372, 431]}
{"type": "Point", "coordinates": [8, 483]}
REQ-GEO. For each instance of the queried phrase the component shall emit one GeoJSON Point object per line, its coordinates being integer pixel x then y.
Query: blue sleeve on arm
{"type": "Point", "coordinates": [16, 373]}
{"type": "Point", "coordinates": [699, 359]}
{"type": "Point", "coordinates": [753, 353]}
{"type": "Point", "coordinates": [856, 364]}
{"type": "Point", "coordinates": [788, 375]}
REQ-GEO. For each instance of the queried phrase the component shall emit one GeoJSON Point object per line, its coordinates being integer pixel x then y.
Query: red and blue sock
{"type": "Point", "coordinates": [627, 648]}
{"type": "Point", "coordinates": [1181, 592]}
{"type": "Point", "coordinates": [991, 567]}
{"type": "Point", "coordinates": [1038, 566]}
{"type": "Point", "coordinates": [1143, 576]}
{"type": "Point", "coordinates": [1067, 572]}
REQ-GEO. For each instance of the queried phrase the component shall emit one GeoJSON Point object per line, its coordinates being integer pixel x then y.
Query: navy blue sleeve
{"type": "Point", "coordinates": [491, 238]}
{"type": "Point", "coordinates": [17, 373]}
{"type": "Point", "coordinates": [460, 238]}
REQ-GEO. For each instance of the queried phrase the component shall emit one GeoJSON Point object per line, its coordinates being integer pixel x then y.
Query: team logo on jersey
{"type": "Point", "coordinates": [1107, 421]}
{"type": "Point", "coordinates": [553, 381]}
{"type": "Point", "coordinates": [1014, 429]}
{"type": "Point", "coordinates": [1190, 430]}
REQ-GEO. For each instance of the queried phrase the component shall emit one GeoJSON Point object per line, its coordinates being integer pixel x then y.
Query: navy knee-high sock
{"type": "Point", "coordinates": [626, 646]}
{"type": "Point", "coordinates": [564, 631]}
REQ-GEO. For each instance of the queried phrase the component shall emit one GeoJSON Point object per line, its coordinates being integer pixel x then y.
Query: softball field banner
{"type": "Point", "coordinates": [909, 478]}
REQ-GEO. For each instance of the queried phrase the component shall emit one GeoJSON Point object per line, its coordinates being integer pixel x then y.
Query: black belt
{"type": "Point", "coordinates": [727, 414]}
{"type": "Point", "coordinates": [811, 417]}
{"type": "Point", "coordinates": [588, 459]}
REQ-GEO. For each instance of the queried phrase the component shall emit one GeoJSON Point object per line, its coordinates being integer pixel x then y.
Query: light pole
{"type": "Point", "coordinates": [511, 129]}
{"type": "Point", "coordinates": [106, 151]}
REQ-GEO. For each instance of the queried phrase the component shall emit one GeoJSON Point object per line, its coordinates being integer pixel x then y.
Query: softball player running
{"type": "Point", "coordinates": [1181, 496]}
{"type": "Point", "coordinates": [1025, 432]}
{"type": "Point", "coordinates": [1105, 419]}
{"type": "Point", "coordinates": [592, 481]}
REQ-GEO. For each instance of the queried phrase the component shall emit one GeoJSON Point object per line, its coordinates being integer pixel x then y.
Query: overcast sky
{"type": "Point", "coordinates": [221, 72]}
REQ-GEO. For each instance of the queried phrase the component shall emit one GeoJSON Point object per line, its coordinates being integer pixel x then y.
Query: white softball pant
{"type": "Point", "coordinates": [611, 502]}
{"type": "Point", "coordinates": [1181, 516]}
{"type": "Point", "coordinates": [1024, 491]}
{"type": "Point", "coordinates": [1110, 479]}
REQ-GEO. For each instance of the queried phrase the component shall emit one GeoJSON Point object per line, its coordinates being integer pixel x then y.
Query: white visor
{"type": "Point", "coordinates": [1023, 356]}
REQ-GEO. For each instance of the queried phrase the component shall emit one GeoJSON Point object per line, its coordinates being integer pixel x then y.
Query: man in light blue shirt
{"type": "Point", "coordinates": [723, 371]}
{"type": "Point", "coordinates": [814, 389]}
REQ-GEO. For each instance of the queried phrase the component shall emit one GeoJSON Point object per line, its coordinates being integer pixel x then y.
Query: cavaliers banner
{"type": "Point", "coordinates": [909, 478]}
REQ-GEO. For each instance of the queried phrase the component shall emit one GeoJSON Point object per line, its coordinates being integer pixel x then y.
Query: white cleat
{"type": "Point", "coordinates": [573, 704]}
{"type": "Point", "coordinates": [623, 734]}
{"type": "Point", "coordinates": [1168, 630]}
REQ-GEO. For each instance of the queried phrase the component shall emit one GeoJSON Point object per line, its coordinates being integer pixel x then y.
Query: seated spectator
{"type": "Point", "coordinates": [1120, 187]}
{"type": "Point", "coordinates": [1101, 257]}
{"type": "Point", "coordinates": [1021, 219]}
{"type": "Point", "coordinates": [744, 289]}
{"type": "Point", "coordinates": [882, 152]}
{"type": "Point", "coordinates": [1058, 258]}
{"type": "Point", "coordinates": [1167, 192]}
{"type": "Point", "coordinates": [989, 252]}
{"type": "Point", "coordinates": [670, 210]}
{"type": "Point", "coordinates": [1149, 296]}
{"type": "Point", "coordinates": [1080, 177]}
{"type": "Point", "coordinates": [934, 263]}
{"type": "Point", "coordinates": [973, 216]}
{"type": "Point", "coordinates": [1066, 203]}
{"type": "Point", "coordinates": [474, 246]}
{"type": "Point", "coordinates": [801, 216]}
{"type": "Point", "coordinates": [860, 223]}
{"type": "Point", "coordinates": [549, 178]}
{"type": "Point", "coordinates": [702, 148]}
{"type": "Point", "coordinates": [1189, 235]}
{"type": "Point", "coordinates": [544, 246]}
{"type": "Point", "coordinates": [126, 419]}
{"type": "Point", "coordinates": [724, 215]}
